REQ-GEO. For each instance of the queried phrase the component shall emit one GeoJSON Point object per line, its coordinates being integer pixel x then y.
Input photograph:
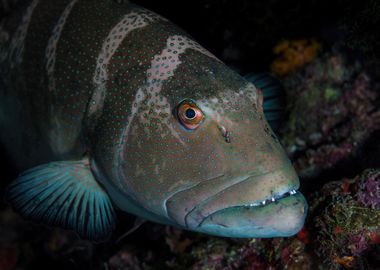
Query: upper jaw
{"type": "Point", "coordinates": [190, 207]}
{"type": "Point", "coordinates": [272, 199]}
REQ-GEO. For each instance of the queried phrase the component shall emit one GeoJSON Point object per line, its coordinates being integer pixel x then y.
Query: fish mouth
{"type": "Point", "coordinates": [282, 217]}
{"type": "Point", "coordinates": [273, 199]}
{"type": "Point", "coordinates": [262, 205]}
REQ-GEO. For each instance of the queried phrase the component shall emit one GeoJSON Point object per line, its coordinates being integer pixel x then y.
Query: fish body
{"type": "Point", "coordinates": [105, 104]}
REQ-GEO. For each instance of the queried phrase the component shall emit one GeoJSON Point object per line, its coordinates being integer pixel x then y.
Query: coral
{"type": "Point", "coordinates": [124, 260]}
{"type": "Point", "coordinates": [333, 109]}
{"type": "Point", "coordinates": [229, 254]}
{"type": "Point", "coordinates": [175, 241]}
{"type": "Point", "coordinates": [369, 190]}
{"type": "Point", "coordinates": [345, 230]}
{"type": "Point", "coordinates": [294, 54]}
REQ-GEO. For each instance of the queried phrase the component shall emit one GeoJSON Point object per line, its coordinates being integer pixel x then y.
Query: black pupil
{"type": "Point", "coordinates": [190, 113]}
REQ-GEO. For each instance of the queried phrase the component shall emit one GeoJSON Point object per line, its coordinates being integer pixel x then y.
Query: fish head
{"type": "Point", "coordinates": [197, 152]}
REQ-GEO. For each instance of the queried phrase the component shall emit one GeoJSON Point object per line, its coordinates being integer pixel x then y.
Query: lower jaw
{"type": "Point", "coordinates": [284, 217]}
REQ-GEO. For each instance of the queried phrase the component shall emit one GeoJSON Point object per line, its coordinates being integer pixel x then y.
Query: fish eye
{"type": "Point", "coordinates": [189, 115]}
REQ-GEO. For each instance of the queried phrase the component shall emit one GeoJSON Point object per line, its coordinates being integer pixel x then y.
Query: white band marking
{"type": "Point", "coordinates": [131, 21]}
{"type": "Point", "coordinates": [16, 48]}
{"type": "Point", "coordinates": [51, 49]}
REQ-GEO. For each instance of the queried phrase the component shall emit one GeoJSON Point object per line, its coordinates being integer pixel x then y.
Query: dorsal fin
{"type": "Point", "coordinates": [274, 97]}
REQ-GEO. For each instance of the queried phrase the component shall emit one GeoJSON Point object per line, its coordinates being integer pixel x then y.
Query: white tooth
{"type": "Point", "coordinates": [272, 199]}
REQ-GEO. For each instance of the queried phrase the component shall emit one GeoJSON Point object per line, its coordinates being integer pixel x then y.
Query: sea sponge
{"type": "Point", "coordinates": [294, 54]}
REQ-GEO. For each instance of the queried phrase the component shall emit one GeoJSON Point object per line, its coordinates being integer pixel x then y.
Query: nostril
{"type": "Point", "coordinates": [227, 137]}
{"type": "Point", "coordinates": [225, 134]}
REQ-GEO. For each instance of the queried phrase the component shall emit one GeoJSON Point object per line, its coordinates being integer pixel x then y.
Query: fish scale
{"type": "Point", "coordinates": [76, 52]}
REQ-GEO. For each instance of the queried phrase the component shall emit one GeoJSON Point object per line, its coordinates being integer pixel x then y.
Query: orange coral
{"type": "Point", "coordinates": [294, 54]}
{"type": "Point", "coordinates": [346, 261]}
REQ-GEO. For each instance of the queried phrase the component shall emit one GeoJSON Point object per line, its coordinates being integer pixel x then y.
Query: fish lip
{"type": "Point", "coordinates": [260, 204]}
{"type": "Point", "coordinates": [277, 197]}
{"type": "Point", "coordinates": [283, 196]}
{"type": "Point", "coordinates": [197, 214]}
{"type": "Point", "coordinates": [254, 222]}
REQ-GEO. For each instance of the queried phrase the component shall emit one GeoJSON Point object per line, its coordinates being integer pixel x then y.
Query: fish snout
{"type": "Point", "coordinates": [263, 205]}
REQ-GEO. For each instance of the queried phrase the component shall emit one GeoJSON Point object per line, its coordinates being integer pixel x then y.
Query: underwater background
{"type": "Point", "coordinates": [326, 55]}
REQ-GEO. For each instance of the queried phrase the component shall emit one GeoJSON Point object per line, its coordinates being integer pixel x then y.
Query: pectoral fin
{"type": "Point", "coordinates": [64, 194]}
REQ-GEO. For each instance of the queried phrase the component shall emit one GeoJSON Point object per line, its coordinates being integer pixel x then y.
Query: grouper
{"type": "Point", "coordinates": [107, 106]}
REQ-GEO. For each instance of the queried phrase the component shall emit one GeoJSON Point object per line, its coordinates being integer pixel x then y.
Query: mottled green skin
{"type": "Point", "coordinates": [150, 164]}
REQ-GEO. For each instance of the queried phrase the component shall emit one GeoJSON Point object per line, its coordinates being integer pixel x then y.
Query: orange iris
{"type": "Point", "coordinates": [189, 114]}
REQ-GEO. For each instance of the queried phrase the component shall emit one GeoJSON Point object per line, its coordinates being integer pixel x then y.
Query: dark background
{"type": "Point", "coordinates": [252, 28]}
